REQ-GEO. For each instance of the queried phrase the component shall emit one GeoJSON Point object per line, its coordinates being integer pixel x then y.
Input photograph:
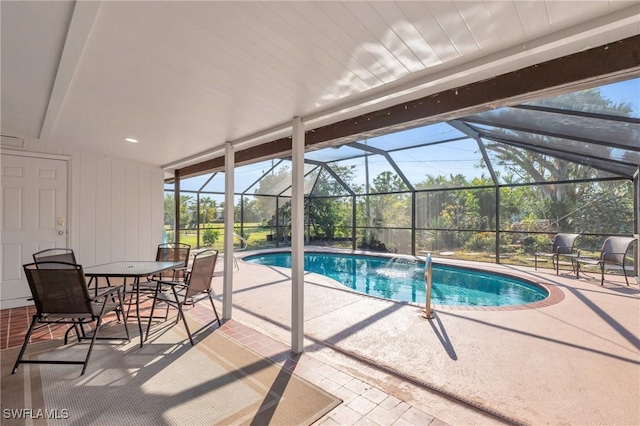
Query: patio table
{"type": "Point", "coordinates": [133, 270]}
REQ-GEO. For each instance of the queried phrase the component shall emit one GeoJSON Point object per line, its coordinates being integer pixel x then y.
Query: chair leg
{"type": "Point", "coordinates": [184, 321]}
{"type": "Point", "coordinates": [624, 271]}
{"type": "Point", "coordinates": [24, 345]}
{"type": "Point", "coordinates": [66, 333]}
{"type": "Point", "coordinates": [215, 311]}
{"type": "Point", "coordinates": [577, 270]}
{"type": "Point", "coordinates": [535, 261]}
{"type": "Point", "coordinates": [93, 340]}
{"type": "Point", "coordinates": [153, 308]}
{"type": "Point", "coordinates": [602, 273]}
{"type": "Point", "coordinates": [113, 299]}
{"type": "Point", "coordinates": [130, 302]}
{"type": "Point", "coordinates": [95, 335]}
{"type": "Point", "coordinates": [181, 313]}
{"type": "Point", "coordinates": [126, 328]}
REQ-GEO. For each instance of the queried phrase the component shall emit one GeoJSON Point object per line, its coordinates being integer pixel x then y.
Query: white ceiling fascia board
{"type": "Point", "coordinates": [216, 151]}
{"type": "Point", "coordinates": [84, 15]}
{"type": "Point", "coordinates": [405, 90]}
{"type": "Point", "coordinates": [281, 130]}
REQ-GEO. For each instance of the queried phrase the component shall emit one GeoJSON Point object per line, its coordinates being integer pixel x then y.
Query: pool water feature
{"type": "Point", "coordinates": [403, 279]}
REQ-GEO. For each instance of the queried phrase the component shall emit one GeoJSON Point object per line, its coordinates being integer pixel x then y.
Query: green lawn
{"type": "Point", "coordinates": [257, 236]}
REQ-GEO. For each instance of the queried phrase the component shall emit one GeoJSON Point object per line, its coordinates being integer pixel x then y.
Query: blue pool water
{"type": "Point", "coordinates": [404, 280]}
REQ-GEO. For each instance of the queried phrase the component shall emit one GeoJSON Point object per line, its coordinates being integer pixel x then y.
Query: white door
{"type": "Point", "coordinates": [34, 218]}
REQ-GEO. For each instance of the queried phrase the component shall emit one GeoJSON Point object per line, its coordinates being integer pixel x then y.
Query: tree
{"type": "Point", "coordinates": [555, 202]}
{"type": "Point", "coordinates": [188, 212]}
{"type": "Point", "coordinates": [272, 184]}
{"type": "Point", "coordinates": [327, 216]}
{"type": "Point", "coordinates": [208, 210]}
{"type": "Point", "coordinates": [392, 208]}
{"type": "Point", "coordinates": [187, 209]}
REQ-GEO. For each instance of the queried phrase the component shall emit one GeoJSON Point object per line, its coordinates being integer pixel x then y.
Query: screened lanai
{"type": "Point", "coordinates": [489, 186]}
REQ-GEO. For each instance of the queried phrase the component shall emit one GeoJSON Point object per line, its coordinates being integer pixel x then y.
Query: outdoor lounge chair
{"type": "Point", "coordinates": [61, 296]}
{"type": "Point", "coordinates": [613, 253]}
{"type": "Point", "coordinates": [197, 283]}
{"type": "Point", "coordinates": [562, 246]}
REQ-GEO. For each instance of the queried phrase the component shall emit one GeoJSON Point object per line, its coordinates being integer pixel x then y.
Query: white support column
{"type": "Point", "coordinates": [297, 237]}
{"type": "Point", "coordinates": [636, 253]}
{"type": "Point", "coordinates": [229, 217]}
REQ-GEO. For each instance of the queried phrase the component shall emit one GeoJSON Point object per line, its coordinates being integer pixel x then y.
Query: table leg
{"type": "Point", "coordinates": [136, 283]}
{"type": "Point", "coordinates": [91, 281]}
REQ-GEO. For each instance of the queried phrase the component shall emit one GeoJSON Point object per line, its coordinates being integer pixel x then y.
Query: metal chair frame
{"type": "Point", "coordinates": [198, 282]}
{"type": "Point", "coordinates": [562, 245]}
{"type": "Point", "coordinates": [69, 285]}
{"type": "Point", "coordinates": [614, 252]}
{"type": "Point", "coordinates": [55, 255]}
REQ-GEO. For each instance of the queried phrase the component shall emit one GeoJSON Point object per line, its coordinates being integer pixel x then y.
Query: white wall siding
{"type": "Point", "coordinates": [103, 215]}
{"type": "Point", "coordinates": [131, 217]}
{"type": "Point", "coordinates": [117, 209]}
{"type": "Point", "coordinates": [144, 214]}
{"type": "Point", "coordinates": [86, 250]}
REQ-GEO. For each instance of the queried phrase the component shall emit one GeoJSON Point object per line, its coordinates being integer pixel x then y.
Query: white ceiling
{"type": "Point", "coordinates": [186, 77]}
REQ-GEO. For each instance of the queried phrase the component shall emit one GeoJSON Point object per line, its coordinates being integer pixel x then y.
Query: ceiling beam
{"type": "Point", "coordinates": [536, 130]}
{"type": "Point", "coordinates": [576, 113]}
{"type": "Point", "coordinates": [84, 15]}
{"type": "Point", "coordinates": [614, 61]}
{"type": "Point", "coordinates": [623, 169]}
{"type": "Point", "coordinates": [472, 133]}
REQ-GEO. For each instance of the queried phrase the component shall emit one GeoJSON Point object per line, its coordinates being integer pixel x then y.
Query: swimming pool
{"type": "Point", "coordinates": [403, 279]}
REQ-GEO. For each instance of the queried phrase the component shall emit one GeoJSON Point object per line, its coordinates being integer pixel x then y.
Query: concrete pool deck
{"type": "Point", "coordinates": [573, 361]}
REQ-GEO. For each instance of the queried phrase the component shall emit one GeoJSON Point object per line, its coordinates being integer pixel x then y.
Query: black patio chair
{"type": "Point", "coordinates": [562, 246]}
{"type": "Point", "coordinates": [55, 255]}
{"type": "Point", "coordinates": [174, 252]}
{"type": "Point", "coordinates": [63, 255]}
{"type": "Point", "coordinates": [197, 283]}
{"type": "Point", "coordinates": [61, 296]}
{"type": "Point", "coordinates": [613, 253]}
{"type": "Point", "coordinates": [167, 252]}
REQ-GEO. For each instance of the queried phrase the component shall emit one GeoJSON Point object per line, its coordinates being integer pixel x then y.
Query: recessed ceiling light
{"type": "Point", "coordinates": [132, 140]}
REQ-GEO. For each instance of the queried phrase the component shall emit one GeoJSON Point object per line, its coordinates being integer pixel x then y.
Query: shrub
{"type": "Point", "coordinates": [482, 241]}
{"type": "Point", "coordinates": [210, 236]}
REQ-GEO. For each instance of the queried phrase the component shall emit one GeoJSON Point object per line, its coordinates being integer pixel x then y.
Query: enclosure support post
{"type": "Point", "coordinates": [198, 219]}
{"type": "Point", "coordinates": [176, 206]}
{"type": "Point", "coordinates": [413, 223]}
{"type": "Point", "coordinates": [354, 234]}
{"type": "Point", "coordinates": [229, 164]}
{"type": "Point", "coordinates": [636, 225]}
{"type": "Point", "coordinates": [297, 237]}
{"type": "Point", "coordinates": [428, 281]}
{"type": "Point", "coordinates": [497, 223]}
{"type": "Point", "coordinates": [242, 215]}
{"type": "Point", "coordinates": [277, 236]}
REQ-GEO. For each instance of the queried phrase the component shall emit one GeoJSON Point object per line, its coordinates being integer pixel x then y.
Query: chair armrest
{"type": "Point", "coordinates": [172, 283]}
{"type": "Point", "coordinates": [108, 291]}
{"type": "Point", "coordinates": [564, 250]}
{"type": "Point", "coordinates": [604, 255]}
{"type": "Point", "coordinates": [536, 247]}
{"type": "Point", "coordinates": [591, 260]}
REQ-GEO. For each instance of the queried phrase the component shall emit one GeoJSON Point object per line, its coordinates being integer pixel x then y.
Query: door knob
{"type": "Point", "coordinates": [60, 232]}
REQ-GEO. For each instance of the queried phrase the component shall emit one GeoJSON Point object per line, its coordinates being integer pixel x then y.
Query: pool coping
{"type": "Point", "coordinates": [556, 295]}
